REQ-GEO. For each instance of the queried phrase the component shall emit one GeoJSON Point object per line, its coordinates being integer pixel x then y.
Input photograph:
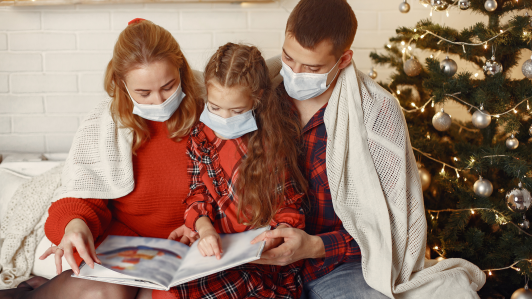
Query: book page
{"type": "Point", "coordinates": [237, 251]}
{"type": "Point", "coordinates": [100, 273]}
{"type": "Point", "coordinates": [149, 259]}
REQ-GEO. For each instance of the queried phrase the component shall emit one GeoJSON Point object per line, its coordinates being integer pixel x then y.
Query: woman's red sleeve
{"type": "Point", "coordinates": [93, 211]}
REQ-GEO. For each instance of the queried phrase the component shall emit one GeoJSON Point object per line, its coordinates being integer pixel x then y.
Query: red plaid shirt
{"type": "Point", "coordinates": [213, 169]}
{"type": "Point", "coordinates": [321, 220]}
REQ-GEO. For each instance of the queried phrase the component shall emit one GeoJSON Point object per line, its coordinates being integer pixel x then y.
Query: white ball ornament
{"type": "Point", "coordinates": [483, 187]}
{"type": "Point", "coordinates": [512, 142]}
{"type": "Point", "coordinates": [404, 7]}
{"type": "Point", "coordinates": [412, 67]}
{"type": "Point", "coordinates": [441, 121]}
{"type": "Point", "coordinates": [481, 118]}
{"type": "Point", "coordinates": [490, 5]}
{"type": "Point", "coordinates": [448, 66]}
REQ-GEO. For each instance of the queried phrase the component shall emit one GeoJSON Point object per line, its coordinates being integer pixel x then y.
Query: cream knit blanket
{"type": "Point", "coordinates": [23, 226]}
{"type": "Point", "coordinates": [376, 193]}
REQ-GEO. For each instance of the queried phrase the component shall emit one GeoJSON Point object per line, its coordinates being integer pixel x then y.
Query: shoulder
{"type": "Point", "coordinates": [102, 109]}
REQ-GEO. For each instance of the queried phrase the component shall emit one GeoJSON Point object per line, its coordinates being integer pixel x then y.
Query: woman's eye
{"type": "Point", "coordinates": [169, 88]}
{"type": "Point", "coordinates": [215, 108]}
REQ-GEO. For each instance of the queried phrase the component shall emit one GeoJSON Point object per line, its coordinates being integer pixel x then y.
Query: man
{"type": "Point", "coordinates": [390, 223]}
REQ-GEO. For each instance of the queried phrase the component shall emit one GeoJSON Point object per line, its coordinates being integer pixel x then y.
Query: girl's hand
{"type": "Point", "coordinates": [210, 243]}
{"type": "Point", "coordinates": [184, 234]}
{"type": "Point", "coordinates": [77, 236]}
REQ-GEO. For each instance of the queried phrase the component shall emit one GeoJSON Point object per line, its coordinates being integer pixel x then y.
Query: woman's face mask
{"type": "Point", "coordinates": [304, 86]}
{"type": "Point", "coordinates": [161, 112]}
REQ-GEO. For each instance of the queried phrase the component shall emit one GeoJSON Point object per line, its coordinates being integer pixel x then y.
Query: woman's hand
{"type": "Point", "coordinates": [210, 242]}
{"type": "Point", "coordinates": [77, 236]}
{"type": "Point", "coordinates": [184, 234]}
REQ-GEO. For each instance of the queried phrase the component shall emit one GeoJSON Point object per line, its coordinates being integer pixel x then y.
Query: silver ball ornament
{"type": "Point", "coordinates": [490, 5]}
{"type": "Point", "coordinates": [483, 187]}
{"type": "Point", "coordinates": [527, 68]}
{"type": "Point", "coordinates": [448, 66]}
{"type": "Point", "coordinates": [481, 119]}
{"type": "Point", "coordinates": [512, 142]}
{"type": "Point", "coordinates": [522, 293]}
{"type": "Point", "coordinates": [412, 67]}
{"type": "Point", "coordinates": [464, 4]}
{"type": "Point", "coordinates": [424, 176]}
{"type": "Point", "coordinates": [372, 73]}
{"type": "Point", "coordinates": [439, 5]}
{"type": "Point", "coordinates": [441, 121]}
{"type": "Point", "coordinates": [404, 7]}
{"type": "Point", "coordinates": [492, 67]}
{"type": "Point", "coordinates": [519, 199]}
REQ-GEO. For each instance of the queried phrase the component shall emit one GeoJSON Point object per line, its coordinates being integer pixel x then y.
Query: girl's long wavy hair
{"type": "Point", "coordinates": [141, 43]}
{"type": "Point", "coordinates": [272, 149]}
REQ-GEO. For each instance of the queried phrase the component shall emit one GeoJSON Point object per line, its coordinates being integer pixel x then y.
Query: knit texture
{"type": "Point", "coordinates": [22, 227]}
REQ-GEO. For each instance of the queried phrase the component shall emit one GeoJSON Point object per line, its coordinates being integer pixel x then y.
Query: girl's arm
{"type": "Point", "coordinates": [209, 243]}
{"type": "Point", "coordinates": [290, 213]}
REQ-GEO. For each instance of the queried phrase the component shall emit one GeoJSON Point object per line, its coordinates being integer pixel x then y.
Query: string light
{"type": "Point", "coordinates": [476, 75]}
{"type": "Point", "coordinates": [457, 174]}
{"type": "Point", "coordinates": [389, 46]}
{"type": "Point", "coordinates": [485, 45]}
{"type": "Point", "coordinates": [489, 273]}
{"type": "Point", "coordinates": [402, 43]}
{"type": "Point", "coordinates": [435, 247]}
{"type": "Point", "coordinates": [443, 169]}
{"type": "Point", "coordinates": [472, 212]}
{"type": "Point", "coordinates": [398, 91]}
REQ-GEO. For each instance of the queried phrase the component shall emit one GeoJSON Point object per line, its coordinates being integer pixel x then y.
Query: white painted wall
{"type": "Point", "coordinates": [52, 58]}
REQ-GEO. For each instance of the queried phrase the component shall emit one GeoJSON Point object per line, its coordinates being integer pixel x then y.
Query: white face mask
{"type": "Point", "coordinates": [161, 112]}
{"type": "Point", "coordinates": [232, 127]}
{"type": "Point", "coordinates": [304, 86]}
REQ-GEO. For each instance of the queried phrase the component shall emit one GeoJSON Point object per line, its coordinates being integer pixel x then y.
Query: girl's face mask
{"type": "Point", "coordinates": [232, 127]}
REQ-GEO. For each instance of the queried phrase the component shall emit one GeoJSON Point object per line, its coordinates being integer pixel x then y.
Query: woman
{"type": "Point", "coordinates": [137, 162]}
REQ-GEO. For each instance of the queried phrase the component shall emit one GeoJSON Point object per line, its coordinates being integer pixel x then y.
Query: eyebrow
{"type": "Point", "coordinates": [171, 81]}
{"type": "Point", "coordinates": [308, 65]}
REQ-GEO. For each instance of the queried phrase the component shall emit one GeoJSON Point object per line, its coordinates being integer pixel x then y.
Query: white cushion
{"type": "Point", "coordinates": [9, 183]}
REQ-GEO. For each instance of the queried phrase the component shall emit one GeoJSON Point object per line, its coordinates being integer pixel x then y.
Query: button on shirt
{"type": "Point", "coordinates": [320, 219]}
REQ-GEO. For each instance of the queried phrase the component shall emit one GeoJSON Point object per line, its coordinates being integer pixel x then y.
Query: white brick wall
{"type": "Point", "coordinates": [52, 58]}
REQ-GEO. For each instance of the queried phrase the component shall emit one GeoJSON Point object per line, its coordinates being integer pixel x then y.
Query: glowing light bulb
{"type": "Point", "coordinates": [423, 36]}
{"type": "Point", "coordinates": [404, 50]}
{"type": "Point", "coordinates": [423, 109]}
{"type": "Point", "coordinates": [432, 104]}
{"type": "Point", "coordinates": [402, 43]}
{"type": "Point", "coordinates": [409, 48]}
{"type": "Point", "coordinates": [432, 216]}
{"type": "Point", "coordinates": [436, 248]}
{"type": "Point", "coordinates": [472, 160]}
{"type": "Point", "coordinates": [485, 46]}
{"type": "Point", "coordinates": [476, 75]}
{"type": "Point", "coordinates": [515, 111]}
{"type": "Point", "coordinates": [489, 272]}
{"type": "Point", "coordinates": [447, 13]}
{"type": "Point", "coordinates": [398, 91]}
{"type": "Point", "coordinates": [413, 104]}
{"type": "Point", "coordinates": [472, 212]}
{"type": "Point", "coordinates": [457, 174]}
{"type": "Point", "coordinates": [415, 30]}
{"type": "Point", "coordinates": [501, 31]}
{"type": "Point", "coordinates": [389, 46]}
{"type": "Point", "coordinates": [443, 169]}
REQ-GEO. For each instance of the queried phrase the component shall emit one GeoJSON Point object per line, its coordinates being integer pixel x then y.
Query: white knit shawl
{"type": "Point", "coordinates": [99, 164]}
{"type": "Point", "coordinates": [376, 193]}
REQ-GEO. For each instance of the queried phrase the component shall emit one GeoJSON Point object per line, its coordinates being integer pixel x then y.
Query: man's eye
{"type": "Point", "coordinates": [313, 69]}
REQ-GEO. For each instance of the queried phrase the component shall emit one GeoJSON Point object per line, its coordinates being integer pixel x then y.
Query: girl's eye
{"type": "Point", "coordinates": [215, 108]}
{"type": "Point", "coordinates": [238, 112]}
{"type": "Point", "coordinates": [145, 95]}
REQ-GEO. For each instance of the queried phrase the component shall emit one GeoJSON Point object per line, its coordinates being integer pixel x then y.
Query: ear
{"type": "Point", "coordinates": [345, 59]}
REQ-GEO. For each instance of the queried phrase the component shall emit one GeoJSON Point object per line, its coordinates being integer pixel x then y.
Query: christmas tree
{"type": "Point", "coordinates": [476, 174]}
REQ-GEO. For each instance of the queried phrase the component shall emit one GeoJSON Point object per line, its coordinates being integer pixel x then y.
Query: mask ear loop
{"type": "Point", "coordinates": [337, 72]}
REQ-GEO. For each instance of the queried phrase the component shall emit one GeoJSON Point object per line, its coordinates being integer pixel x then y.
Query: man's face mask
{"type": "Point", "coordinates": [304, 86]}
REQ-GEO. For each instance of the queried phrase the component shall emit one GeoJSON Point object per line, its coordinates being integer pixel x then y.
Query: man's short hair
{"type": "Point", "coordinates": [313, 21]}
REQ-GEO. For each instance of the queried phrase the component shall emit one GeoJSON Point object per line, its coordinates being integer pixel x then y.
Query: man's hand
{"type": "Point", "coordinates": [295, 245]}
{"type": "Point", "coordinates": [184, 234]}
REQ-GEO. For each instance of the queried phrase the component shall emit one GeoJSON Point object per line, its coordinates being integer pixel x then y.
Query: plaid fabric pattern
{"type": "Point", "coordinates": [211, 184]}
{"type": "Point", "coordinates": [246, 281]}
{"type": "Point", "coordinates": [213, 167]}
{"type": "Point", "coordinates": [321, 220]}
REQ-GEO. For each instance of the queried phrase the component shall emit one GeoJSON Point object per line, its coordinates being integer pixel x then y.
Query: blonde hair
{"type": "Point", "coordinates": [139, 44]}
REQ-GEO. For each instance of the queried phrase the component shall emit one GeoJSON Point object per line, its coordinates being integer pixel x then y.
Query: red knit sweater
{"type": "Point", "coordinates": [154, 208]}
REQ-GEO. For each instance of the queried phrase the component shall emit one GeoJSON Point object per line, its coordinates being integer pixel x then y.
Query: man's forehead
{"type": "Point", "coordinates": [320, 55]}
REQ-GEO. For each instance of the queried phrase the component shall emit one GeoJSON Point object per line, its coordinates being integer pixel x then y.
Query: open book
{"type": "Point", "coordinates": [161, 264]}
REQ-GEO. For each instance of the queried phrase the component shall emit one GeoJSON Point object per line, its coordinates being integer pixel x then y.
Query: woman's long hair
{"type": "Point", "coordinates": [141, 43]}
{"type": "Point", "coordinates": [272, 149]}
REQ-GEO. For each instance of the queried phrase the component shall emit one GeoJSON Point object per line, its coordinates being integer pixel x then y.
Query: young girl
{"type": "Point", "coordinates": [243, 157]}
